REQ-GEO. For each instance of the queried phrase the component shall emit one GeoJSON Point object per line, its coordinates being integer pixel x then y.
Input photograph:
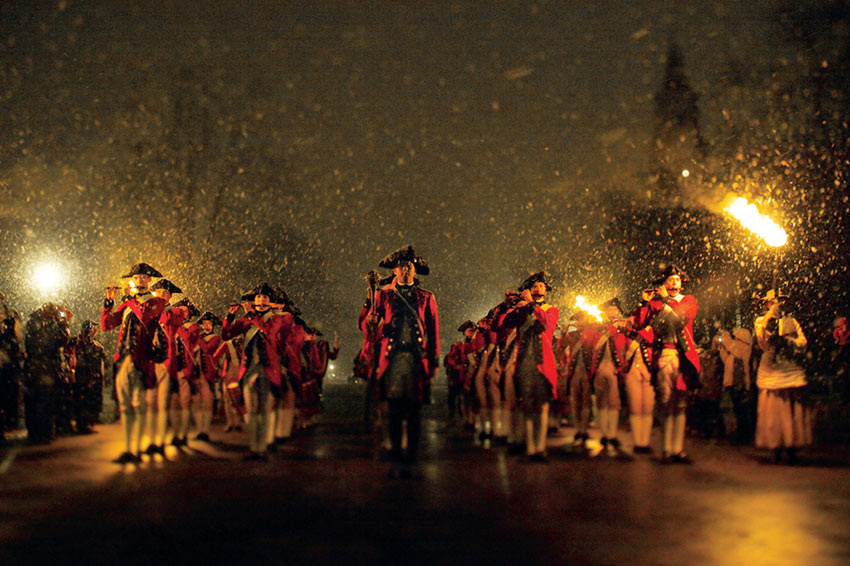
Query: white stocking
{"type": "Point", "coordinates": [668, 434]}
{"type": "Point", "coordinates": [679, 433]}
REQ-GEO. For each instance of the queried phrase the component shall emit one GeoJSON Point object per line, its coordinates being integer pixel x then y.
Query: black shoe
{"type": "Point", "coordinates": [255, 457]}
{"type": "Point", "coordinates": [682, 458]}
{"type": "Point", "coordinates": [159, 449]}
{"type": "Point", "coordinates": [125, 458]}
{"type": "Point", "coordinates": [792, 456]}
{"type": "Point", "coordinates": [150, 450]}
{"type": "Point", "coordinates": [272, 447]}
{"type": "Point", "coordinates": [538, 457]}
{"type": "Point", "coordinates": [666, 458]}
{"type": "Point", "coordinates": [203, 437]}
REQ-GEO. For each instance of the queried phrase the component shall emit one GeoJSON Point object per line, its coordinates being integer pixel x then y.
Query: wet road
{"type": "Point", "coordinates": [325, 498]}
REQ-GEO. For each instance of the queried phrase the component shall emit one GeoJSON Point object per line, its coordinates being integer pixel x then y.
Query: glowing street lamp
{"type": "Point", "coordinates": [48, 277]}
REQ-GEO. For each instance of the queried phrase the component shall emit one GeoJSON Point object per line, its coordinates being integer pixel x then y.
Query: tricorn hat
{"type": "Point", "coordinates": [405, 254]}
{"type": "Point", "coordinates": [467, 324]}
{"type": "Point", "coordinates": [211, 317]}
{"type": "Point", "coordinates": [540, 276]}
{"type": "Point", "coordinates": [261, 289]}
{"type": "Point", "coordinates": [143, 269]}
{"type": "Point", "coordinates": [166, 285]}
{"type": "Point", "coordinates": [184, 302]}
{"type": "Point", "coordinates": [279, 296]}
{"type": "Point", "coordinates": [615, 302]}
{"type": "Point", "coordinates": [669, 270]}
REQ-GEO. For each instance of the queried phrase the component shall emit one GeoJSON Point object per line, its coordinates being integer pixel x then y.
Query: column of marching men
{"type": "Point", "coordinates": [267, 367]}
{"type": "Point", "coordinates": [512, 381]}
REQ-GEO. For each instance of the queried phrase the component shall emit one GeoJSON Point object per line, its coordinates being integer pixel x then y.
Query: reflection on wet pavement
{"type": "Point", "coordinates": [325, 497]}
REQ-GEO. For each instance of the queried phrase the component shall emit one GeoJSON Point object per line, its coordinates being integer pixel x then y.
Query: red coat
{"type": "Point", "coordinates": [224, 358]}
{"type": "Point", "coordinates": [188, 336]}
{"type": "Point", "coordinates": [618, 342]}
{"type": "Point", "coordinates": [686, 310]}
{"type": "Point", "coordinates": [171, 320]}
{"type": "Point", "coordinates": [428, 334]}
{"type": "Point", "coordinates": [582, 350]}
{"type": "Point", "coordinates": [142, 316]}
{"type": "Point", "coordinates": [276, 329]}
{"type": "Point", "coordinates": [208, 344]}
{"type": "Point", "coordinates": [547, 316]}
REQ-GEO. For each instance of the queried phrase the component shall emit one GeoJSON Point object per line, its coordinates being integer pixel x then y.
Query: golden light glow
{"type": "Point", "coordinates": [592, 310]}
{"type": "Point", "coordinates": [749, 216]}
{"type": "Point", "coordinates": [686, 173]}
{"type": "Point", "coordinates": [48, 277]}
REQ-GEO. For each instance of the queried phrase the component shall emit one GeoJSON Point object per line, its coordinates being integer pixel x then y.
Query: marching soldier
{"type": "Point", "coordinates": [409, 334]}
{"type": "Point", "coordinates": [135, 359]}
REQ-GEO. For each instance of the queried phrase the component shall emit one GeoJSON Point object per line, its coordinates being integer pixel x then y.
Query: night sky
{"type": "Point", "coordinates": [299, 143]}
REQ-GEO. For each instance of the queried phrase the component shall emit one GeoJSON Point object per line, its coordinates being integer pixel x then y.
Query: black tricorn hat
{"type": "Point", "coordinates": [280, 297]}
{"type": "Point", "coordinates": [534, 278]}
{"type": "Point", "coordinates": [261, 289]}
{"type": "Point", "coordinates": [465, 325]}
{"type": "Point", "coordinates": [166, 285]}
{"type": "Point", "coordinates": [615, 302]}
{"type": "Point", "coordinates": [211, 317]}
{"type": "Point", "coordinates": [143, 269]}
{"type": "Point", "coordinates": [405, 254]}
{"type": "Point", "coordinates": [671, 269]}
{"type": "Point", "coordinates": [184, 302]}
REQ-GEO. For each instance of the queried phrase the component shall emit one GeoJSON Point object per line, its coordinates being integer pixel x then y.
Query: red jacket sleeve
{"type": "Point", "coordinates": [110, 319]}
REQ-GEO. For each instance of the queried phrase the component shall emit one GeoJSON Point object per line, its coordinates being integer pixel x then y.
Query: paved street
{"type": "Point", "coordinates": [326, 498]}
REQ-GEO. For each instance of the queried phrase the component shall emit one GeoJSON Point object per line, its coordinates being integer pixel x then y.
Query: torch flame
{"type": "Point", "coordinates": [748, 215]}
{"type": "Point", "coordinates": [592, 310]}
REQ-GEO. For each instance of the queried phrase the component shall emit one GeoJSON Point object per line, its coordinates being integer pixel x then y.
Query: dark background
{"type": "Point", "coordinates": [299, 143]}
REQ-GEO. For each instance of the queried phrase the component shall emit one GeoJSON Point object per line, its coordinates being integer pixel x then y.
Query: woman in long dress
{"type": "Point", "coordinates": [784, 418]}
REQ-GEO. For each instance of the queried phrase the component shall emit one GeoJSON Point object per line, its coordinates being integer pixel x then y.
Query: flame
{"type": "Point", "coordinates": [748, 215]}
{"type": "Point", "coordinates": [592, 310]}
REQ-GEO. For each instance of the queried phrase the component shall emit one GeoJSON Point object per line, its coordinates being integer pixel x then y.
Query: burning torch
{"type": "Point", "coordinates": [761, 225]}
